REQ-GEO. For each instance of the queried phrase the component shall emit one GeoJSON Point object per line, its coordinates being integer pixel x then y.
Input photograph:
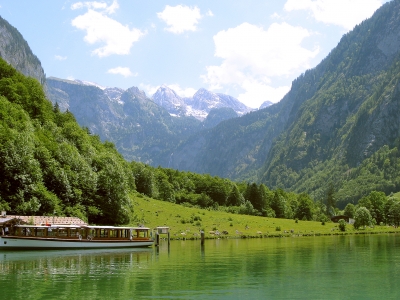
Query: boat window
{"type": "Point", "coordinates": [62, 232]}
{"type": "Point", "coordinates": [51, 232]}
{"type": "Point", "coordinates": [124, 233]}
{"type": "Point", "coordinates": [103, 233]}
{"type": "Point", "coordinates": [92, 232]}
{"type": "Point", "coordinates": [39, 232]}
{"type": "Point", "coordinates": [25, 231]}
{"type": "Point", "coordinates": [113, 233]}
{"type": "Point", "coordinates": [82, 232]}
{"type": "Point", "coordinates": [74, 232]}
{"type": "Point", "coordinates": [140, 233]}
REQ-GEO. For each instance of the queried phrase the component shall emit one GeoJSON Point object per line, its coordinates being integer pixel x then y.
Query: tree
{"type": "Point", "coordinates": [330, 200]}
{"type": "Point", "coordinates": [394, 213]}
{"type": "Point", "coordinates": [375, 203]}
{"type": "Point", "coordinates": [305, 207]}
{"type": "Point", "coordinates": [362, 217]}
{"type": "Point", "coordinates": [278, 204]}
{"type": "Point", "coordinates": [342, 225]}
{"type": "Point", "coordinates": [350, 210]}
{"type": "Point", "coordinates": [144, 179]}
{"type": "Point", "coordinates": [254, 195]}
{"type": "Point", "coordinates": [235, 198]}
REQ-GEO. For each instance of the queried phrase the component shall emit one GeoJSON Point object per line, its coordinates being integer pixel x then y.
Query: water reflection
{"type": "Point", "coordinates": [298, 268]}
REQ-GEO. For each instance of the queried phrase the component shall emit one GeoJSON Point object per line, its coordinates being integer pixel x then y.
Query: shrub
{"type": "Point", "coordinates": [196, 218]}
{"type": "Point", "coordinates": [342, 225]}
{"type": "Point", "coordinates": [278, 228]}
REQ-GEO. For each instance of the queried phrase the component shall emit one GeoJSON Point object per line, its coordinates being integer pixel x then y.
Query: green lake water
{"type": "Point", "coordinates": [332, 267]}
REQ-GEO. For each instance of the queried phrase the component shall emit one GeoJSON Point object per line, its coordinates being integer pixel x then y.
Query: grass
{"type": "Point", "coordinates": [187, 222]}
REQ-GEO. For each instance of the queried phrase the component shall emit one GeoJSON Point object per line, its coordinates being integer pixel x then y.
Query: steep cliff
{"type": "Point", "coordinates": [334, 118]}
{"type": "Point", "coordinates": [15, 51]}
{"type": "Point", "coordinates": [141, 129]}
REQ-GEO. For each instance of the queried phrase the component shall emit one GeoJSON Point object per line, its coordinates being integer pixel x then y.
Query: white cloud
{"type": "Point", "coordinates": [59, 57]}
{"type": "Point", "coordinates": [124, 71]}
{"type": "Point", "coordinates": [252, 56]}
{"type": "Point", "coordinates": [256, 93]}
{"type": "Point", "coordinates": [149, 89]}
{"type": "Point", "coordinates": [344, 13]}
{"type": "Point", "coordinates": [117, 38]}
{"type": "Point", "coordinates": [183, 92]}
{"type": "Point", "coordinates": [180, 18]}
{"type": "Point", "coordinates": [276, 16]}
{"type": "Point", "coordinates": [97, 5]}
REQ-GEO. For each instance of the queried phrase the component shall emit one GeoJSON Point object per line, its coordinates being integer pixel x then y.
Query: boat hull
{"type": "Point", "coordinates": [15, 243]}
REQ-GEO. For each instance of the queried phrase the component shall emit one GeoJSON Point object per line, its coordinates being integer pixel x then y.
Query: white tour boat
{"type": "Point", "coordinates": [31, 237]}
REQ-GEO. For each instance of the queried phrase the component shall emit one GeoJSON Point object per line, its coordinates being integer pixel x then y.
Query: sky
{"type": "Point", "coordinates": [249, 49]}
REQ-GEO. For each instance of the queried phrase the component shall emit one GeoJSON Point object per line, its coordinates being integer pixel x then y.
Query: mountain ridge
{"type": "Point", "coordinates": [338, 124]}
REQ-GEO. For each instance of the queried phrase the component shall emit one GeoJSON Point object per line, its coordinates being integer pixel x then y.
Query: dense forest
{"type": "Point", "coordinates": [50, 165]}
{"type": "Point", "coordinates": [337, 125]}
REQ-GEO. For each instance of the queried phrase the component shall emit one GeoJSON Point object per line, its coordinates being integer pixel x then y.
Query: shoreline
{"type": "Point", "coordinates": [282, 235]}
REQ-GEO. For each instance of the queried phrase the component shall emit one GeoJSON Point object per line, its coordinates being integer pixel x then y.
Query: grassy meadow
{"type": "Point", "coordinates": [185, 222]}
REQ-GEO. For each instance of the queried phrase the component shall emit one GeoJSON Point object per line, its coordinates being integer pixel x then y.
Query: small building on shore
{"type": "Point", "coordinates": [335, 219]}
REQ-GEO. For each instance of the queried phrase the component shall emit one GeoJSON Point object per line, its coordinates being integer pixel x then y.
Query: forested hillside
{"type": "Point", "coordinates": [140, 129]}
{"type": "Point", "coordinates": [50, 165]}
{"type": "Point", "coordinates": [335, 119]}
{"type": "Point", "coordinates": [16, 51]}
{"type": "Point", "coordinates": [349, 118]}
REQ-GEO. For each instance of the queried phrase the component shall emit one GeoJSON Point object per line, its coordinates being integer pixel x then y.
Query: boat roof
{"type": "Point", "coordinates": [41, 220]}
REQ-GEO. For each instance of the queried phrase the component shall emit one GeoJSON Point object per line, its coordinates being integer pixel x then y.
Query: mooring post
{"type": "Point", "coordinates": [157, 239]}
{"type": "Point", "coordinates": [202, 237]}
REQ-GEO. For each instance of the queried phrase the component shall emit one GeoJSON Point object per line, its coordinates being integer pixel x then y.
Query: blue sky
{"type": "Point", "coordinates": [250, 49]}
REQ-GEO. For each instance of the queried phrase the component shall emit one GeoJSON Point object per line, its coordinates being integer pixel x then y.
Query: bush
{"type": "Point", "coordinates": [342, 225]}
{"type": "Point", "coordinates": [278, 228]}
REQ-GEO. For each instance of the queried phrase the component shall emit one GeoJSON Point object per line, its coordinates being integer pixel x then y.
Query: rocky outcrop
{"type": "Point", "coordinates": [15, 51]}
{"type": "Point", "coordinates": [198, 106]}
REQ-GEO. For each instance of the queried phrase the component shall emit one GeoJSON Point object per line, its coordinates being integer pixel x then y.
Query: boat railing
{"type": "Point", "coordinates": [71, 232]}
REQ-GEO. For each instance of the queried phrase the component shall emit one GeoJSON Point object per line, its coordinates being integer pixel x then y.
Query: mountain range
{"type": "Point", "coordinates": [199, 106]}
{"type": "Point", "coordinates": [338, 125]}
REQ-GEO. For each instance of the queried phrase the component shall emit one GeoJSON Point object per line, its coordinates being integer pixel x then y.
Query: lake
{"type": "Point", "coordinates": [328, 267]}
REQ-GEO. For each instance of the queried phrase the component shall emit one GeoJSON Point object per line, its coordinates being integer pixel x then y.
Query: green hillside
{"type": "Point", "coordinates": [338, 125]}
{"type": "Point", "coordinates": [140, 129]}
{"type": "Point", "coordinates": [52, 166]}
{"type": "Point", "coordinates": [346, 132]}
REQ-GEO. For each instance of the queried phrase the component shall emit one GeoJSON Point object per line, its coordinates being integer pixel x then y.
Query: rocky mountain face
{"type": "Point", "coordinates": [265, 104]}
{"type": "Point", "coordinates": [170, 100]}
{"type": "Point", "coordinates": [198, 106]}
{"type": "Point", "coordinates": [141, 129]}
{"type": "Point", "coordinates": [334, 118]}
{"type": "Point", "coordinates": [15, 51]}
